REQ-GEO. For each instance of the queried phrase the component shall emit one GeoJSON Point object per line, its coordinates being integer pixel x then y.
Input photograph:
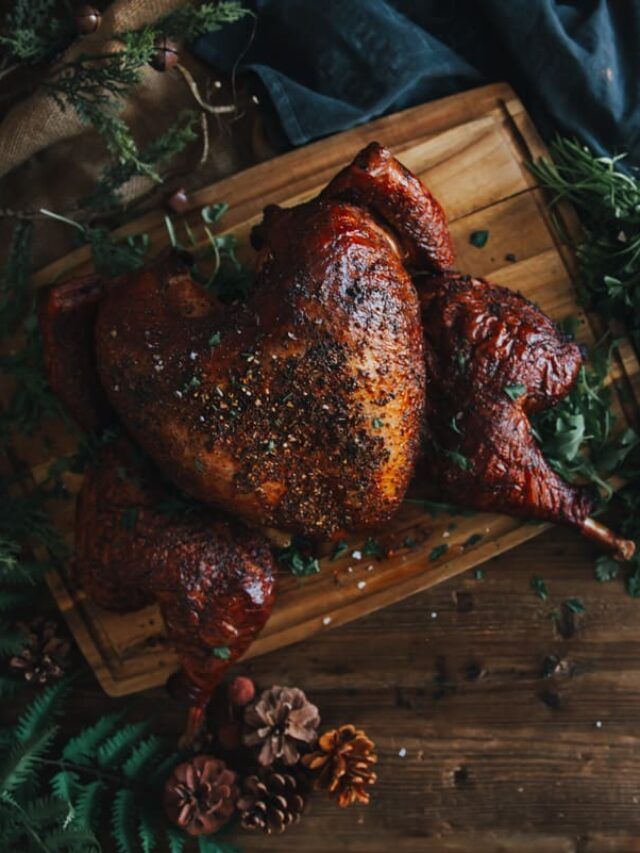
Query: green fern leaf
{"type": "Point", "coordinates": [143, 757]}
{"type": "Point", "coordinates": [74, 839]}
{"type": "Point", "coordinates": [43, 812]}
{"type": "Point", "coordinates": [114, 750]}
{"type": "Point", "coordinates": [82, 748]}
{"type": "Point", "coordinates": [176, 840]}
{"type": "Point", "coordinates": [19, 767]}
{"type": "Point", "coordinates": [148, 829]}
{"type": "Point", "coordinates": [40, 711]}
{"type": "Point", "coordinates": [123, 821]}
{"type": "Point", "coordinates": [88, 803]}
{"type": "Point", "coordinates": [64, 786]}
{"type": "Point", "coordinates": [158, 776]}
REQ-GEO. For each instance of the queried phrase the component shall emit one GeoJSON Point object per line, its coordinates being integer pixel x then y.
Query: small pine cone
{"type": "Point", "coordinates": [270, 801]}
{"type": "Point", "coordinates": [343, 764]}
{"type": "Point", "coordinates": [200, 795]}
{"type": "Point", "coordinates": [278, 722]}
{"type": "Point", "coordinates": [45, 655]}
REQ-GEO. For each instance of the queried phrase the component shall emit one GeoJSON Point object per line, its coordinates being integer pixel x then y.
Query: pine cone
{"type": "Point", "coordinates": [281, 718]}
{"type": "Point", "coordinates": [343, 764]}
{"type": "Point", "coordinates": [200, 795]}
{"type": "Point", "coordinates": [270, 802]}
{"type": "Point", "coordinates": [45, 654]}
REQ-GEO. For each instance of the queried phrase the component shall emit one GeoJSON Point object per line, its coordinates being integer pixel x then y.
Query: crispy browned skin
{"type": "Point", "coordinates": [306, 414]}
{"type": "Point", "coordinates": [67, 314]}
{"type": "Point", "coordinates": [214, 579]}
{"type": "Point", "coordinates": [481, 339]}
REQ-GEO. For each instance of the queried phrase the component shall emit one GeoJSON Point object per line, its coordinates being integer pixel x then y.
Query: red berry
{"type": "Point", "coordinates": [241, 691]}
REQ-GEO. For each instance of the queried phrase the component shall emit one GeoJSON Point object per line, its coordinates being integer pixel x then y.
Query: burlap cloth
{"type": "Point", "coordinates": [48, 158]}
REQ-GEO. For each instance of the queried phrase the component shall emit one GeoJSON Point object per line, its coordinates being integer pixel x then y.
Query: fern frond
{"type": "Point", "coordinates": [88, 803]}
{"type": "Point", "coordinates": [148, 828]}
{"type": "Point", "coordinates": [176, 840]}
{"type": "Point", "coordinates": [64, 785]}
{"type": "Point", "coordinates": [83, 747]}
{"type": "Point", "coordinates": [114, 750]}
{"type": "Point", "coordinates": [40, 711]}
{"type": "Point", "coordinates": [143, 757]}
{"type": "Point", "coordinates": [123, 820]}
{"type": "Point", "coordinates": [159, 774]}
{"type": "Point", "coordinates": [74, 839]}
{"type": "Point", "coordinates": [19, 767]}
{"type": "Point", "coordinates": [44, 811]}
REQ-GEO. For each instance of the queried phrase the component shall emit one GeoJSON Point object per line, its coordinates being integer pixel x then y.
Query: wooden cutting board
{"type": "Point", "coordinates": [470, 150]}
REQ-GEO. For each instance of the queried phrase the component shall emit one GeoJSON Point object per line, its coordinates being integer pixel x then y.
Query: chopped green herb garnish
{"type": "Point", "coordinates": [479, 238]}
{"type": "Point", "coordinates": [410, 542]}
{"type": "Point", "coordinates": [539, 587]}
{"type": "Point", "coordinates": [606, 568]}
{"type": "Point", "coordinates": [222, 652]}
{"type": "Point", "coordinates": [479, 574]}
{"type": "Point", "coordinates": [574, 605]}
{"type": "Point", "coordinates": [438, 551]}
{"type": "Point", "coordinates": [372, 548]}
{"type": "Point", "coordinates": [460, 460]}
{"type": "Point", "coordinates": [510, 257]}
{"type": "Point", "coordinates": [454, 425]}
{"type": "Point", "coordinates": [514, 391]}
{"type": "Point", "coordinates": [462, 360]}
{"type": "Point", "coordinates": [198, 464]}
{"type": "Point", "coordinates": [473, 540]}
{"type": "Point", "coordinates": [341, 548]}
{"type": "Point", "coordinates": [298, 557]}
{"type": "Point", "coordinates": [376, 423]}
{"type": "Point", "coordinates": [215, 339]}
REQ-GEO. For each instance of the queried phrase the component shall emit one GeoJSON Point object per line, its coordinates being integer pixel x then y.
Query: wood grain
{"type": "Point", "coordinates": [471, 152]}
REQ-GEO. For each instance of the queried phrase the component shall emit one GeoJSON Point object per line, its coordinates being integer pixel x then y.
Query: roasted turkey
{"type": "Point", "coordinates": [303, 407]}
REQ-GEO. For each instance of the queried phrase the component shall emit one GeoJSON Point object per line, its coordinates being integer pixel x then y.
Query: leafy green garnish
{"type": "Point", "coordinates": [222, 652]}
{"type": "Point", "coordinates": [606, 568]}
{"type": "Point", "coordinates": [298, 557]}
{"type": "Point", "coordinates": [574, 605]}
{"type": "Point", "coordinates": [479, 574]}
{"type": "Point", "coordinates": [459, 459]}
{"type": "Point", "coordinates": [514, 391]}
{"type": "Point", "coordinates": [539, 587]}
{"type": "Point", "coordinates": [479, 238]}
{"type": "Point", "coordinates": [372, 548]}
{"type": "Point", "coordinates": [341, 548]}
{"type": "Point", "coordinates": [473, 540]}
{"type": "Point", "coordinates": [438, 551]}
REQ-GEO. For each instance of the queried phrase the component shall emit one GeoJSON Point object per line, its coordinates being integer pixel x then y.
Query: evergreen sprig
{"type": "Point", "coordinates": [607, 200]}
{"type": "Point", "coordinates": [54, 794]}
{"type": "Point", "coordinates": [31, 32]}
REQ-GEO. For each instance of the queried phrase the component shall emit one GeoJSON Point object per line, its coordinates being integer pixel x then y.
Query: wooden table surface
{"type": "Point", "coordinates": [498, 758]}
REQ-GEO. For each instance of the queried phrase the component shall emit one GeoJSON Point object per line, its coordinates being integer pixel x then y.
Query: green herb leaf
{"type": "Point", "coordinates": [459, 459]}
{"type": "Point", "coordinates": [479, 574]}
{"type": "Point", "coordinates": [215, 339]}
{"type": "Point", "coordinates": [574, 605]}
{"type": "Point", "coordinates": [606, 568]}
{"type": "Point", "coordinates": [473, 540]}
{"type": "Point", "coordinates": [372, 548]}
{"type": "Point", "coordinates": [438, 551]}
{"type": "Point", "coordinates": [222, 652]}
{"type": "Point", "coordinates": [341, 548]}
{"type": "Point", "coordinates": [514, 391]}
{"type": "Point", "coordinates": [539, 587]}
{"type": "Point", "coordinates": [376, 423]}
{"type": "Point", "coordinates": [479, 238]}
{"type": "Point", "coordinates": [298, 557]}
